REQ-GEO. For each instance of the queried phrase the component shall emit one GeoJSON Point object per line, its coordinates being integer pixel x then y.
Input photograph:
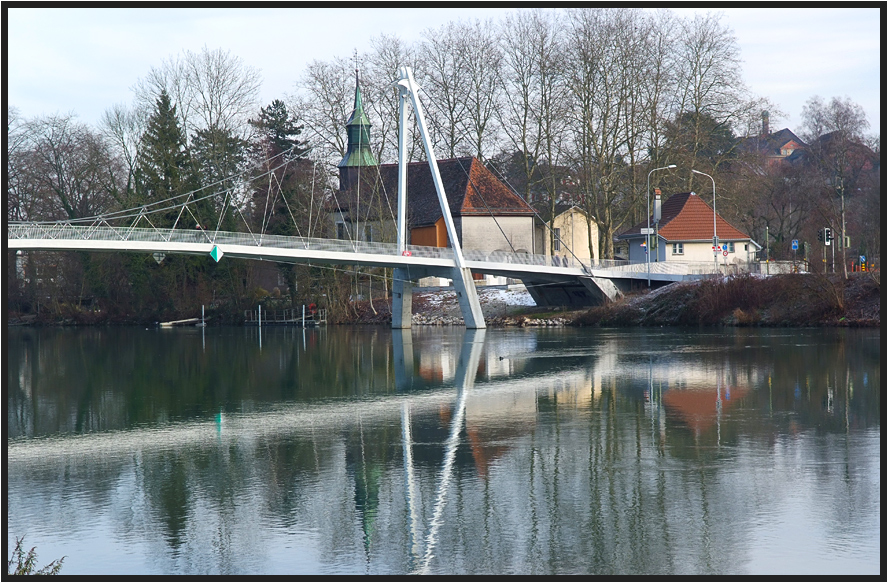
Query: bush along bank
{"type": "Point", "coordinates": [780, 300]}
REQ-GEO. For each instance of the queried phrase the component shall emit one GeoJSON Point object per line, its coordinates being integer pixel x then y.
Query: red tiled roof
{"type": "Point", "coordinates": [471, 189]}
{"type": "Point", "coordinates": [771, 144]}
{"type": "Point", "coordinates": [686, 217]}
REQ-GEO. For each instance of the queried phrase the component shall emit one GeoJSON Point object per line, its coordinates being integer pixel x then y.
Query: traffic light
{"type": "Point", "coordinates": [820, 235]}
{"type": "Point", "coordinates": [827, 236]}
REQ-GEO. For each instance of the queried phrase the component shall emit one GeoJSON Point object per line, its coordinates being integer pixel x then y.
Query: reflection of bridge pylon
{"type": "Point", "coordinates": [466, 370]}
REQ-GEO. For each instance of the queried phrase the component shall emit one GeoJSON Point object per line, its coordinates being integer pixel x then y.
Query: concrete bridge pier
{"type": "Point", "coordinates": [402, 300]}
{"type": "Point", "coordinates": [463, 285]}
{"type": "Point", "coordinates": [467, 295]}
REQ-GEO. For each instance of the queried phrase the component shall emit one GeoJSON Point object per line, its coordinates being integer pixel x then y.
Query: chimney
{"type": "Point", "coordinates": [766, 129]}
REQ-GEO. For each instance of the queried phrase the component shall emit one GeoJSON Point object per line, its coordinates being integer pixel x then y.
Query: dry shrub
{"type": "Point", "coordinates": [750, 318]}
{"type": "Point", "coordinates": [615, 314]}
{"type": "Point", "coordinates": [719, 297]}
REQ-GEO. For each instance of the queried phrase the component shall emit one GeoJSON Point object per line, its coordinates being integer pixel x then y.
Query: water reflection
{"type": "Point", "coordinates": [441, 451]}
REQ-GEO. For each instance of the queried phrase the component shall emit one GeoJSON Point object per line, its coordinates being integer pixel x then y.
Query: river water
{"type": "Point", "coordinates": [445, 451]}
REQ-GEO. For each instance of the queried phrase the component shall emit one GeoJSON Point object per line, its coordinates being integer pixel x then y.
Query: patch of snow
{"type": "Point", "coordinates": [506, 296]}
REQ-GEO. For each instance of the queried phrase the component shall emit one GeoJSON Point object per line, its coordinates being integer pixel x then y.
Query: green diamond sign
{"type": "Point", "coordinates": [216, 253]}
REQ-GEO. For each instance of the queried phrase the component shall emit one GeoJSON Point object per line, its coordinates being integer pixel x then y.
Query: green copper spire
{"type": "Point", "coordinates": [358, 131]}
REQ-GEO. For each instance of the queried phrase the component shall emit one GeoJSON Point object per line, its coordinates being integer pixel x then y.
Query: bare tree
{"type": "Point", "coordinates": [603, 86]}
{"type": "Point", "coordinates": [534, 113]}
{"type": "Point", "coordinates": [123, 128]}
{"type": "Point", "coordinates": [835, 135]}
{"type": "Point", "coordinates": [443, 75]}
{"type": "Point", "coordinates": [324, 103]}
{"type": "Point", "coordinates": [483, 62]}
{"type": "Point", "coordinates": [212, 90]}
{"type": "Point", "coordinates": [71, 167]}
{"type": "Point", "coordinates": [20, 199]}
{"type": "Point", "coordinates": [381, 100]}
{"type": "Point", "coordinates": [709, 86]}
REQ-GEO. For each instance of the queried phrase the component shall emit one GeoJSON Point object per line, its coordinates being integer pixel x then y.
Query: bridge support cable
{"type": "Point", "coordinates": [537, 215]}
{"type": "Point", "coordinates": [476, 189]}
{"type": "Point", "coordinates": [481, 195]}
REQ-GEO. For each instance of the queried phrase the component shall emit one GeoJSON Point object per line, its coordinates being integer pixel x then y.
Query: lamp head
{"type": "Point", "coordinates": [671, 166]}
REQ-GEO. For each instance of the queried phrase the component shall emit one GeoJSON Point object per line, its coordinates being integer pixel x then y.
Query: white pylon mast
{"type": "Point", "coordinates": [407, 87]}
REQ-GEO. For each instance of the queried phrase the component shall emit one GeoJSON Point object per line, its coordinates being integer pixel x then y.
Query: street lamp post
{"type": "Point", "coordinates": [714, 233]}
{"type": "Point", "coordinates": [648, 231]}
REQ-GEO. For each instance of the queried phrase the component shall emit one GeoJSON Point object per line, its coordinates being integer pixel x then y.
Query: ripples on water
{"type": "Point", "coordinates": [353, 451]}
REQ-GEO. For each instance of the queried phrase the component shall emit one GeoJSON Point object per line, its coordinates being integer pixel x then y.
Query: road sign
{"type": "Point", "coordinates": [725, 247]}
{"type": "Point", "coordinates": [725, 253]}
{"type": "Point", "coordinates": [647, 230]}
{"type": "Point", "coordinates": [795, 244]}
{"type": "Point", "coordinates": [715, 249]}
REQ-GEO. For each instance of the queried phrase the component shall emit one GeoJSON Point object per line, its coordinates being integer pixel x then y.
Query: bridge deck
{"type": "Point", "coordinates": [421, 260]}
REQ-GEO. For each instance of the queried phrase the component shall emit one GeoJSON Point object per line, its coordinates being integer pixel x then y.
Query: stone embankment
{"type": "Point", "coordinates": [782, 300]}
{"type": "Point", "coordinates": [492, 322]}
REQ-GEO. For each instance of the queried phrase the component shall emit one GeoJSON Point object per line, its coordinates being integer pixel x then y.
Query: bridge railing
{"type": "Point", "coordinates": [97, 233]}
{"type": "Point", "coordinates": [56, 231]}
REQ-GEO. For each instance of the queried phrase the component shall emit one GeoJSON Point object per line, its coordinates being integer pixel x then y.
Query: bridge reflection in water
{"type": "Point", "coordinates": [535, 442]}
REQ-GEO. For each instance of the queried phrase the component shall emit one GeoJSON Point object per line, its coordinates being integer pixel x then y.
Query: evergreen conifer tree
{"type": "Point", "coordinates": [279, 130]}
{"type": "Point", "coordinates": [163, 168]}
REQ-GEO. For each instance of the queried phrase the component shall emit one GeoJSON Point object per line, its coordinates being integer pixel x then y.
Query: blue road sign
{"type": "Point", "coordinates": [795, 244]}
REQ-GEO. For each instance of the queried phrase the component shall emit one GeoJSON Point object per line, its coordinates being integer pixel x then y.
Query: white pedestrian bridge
{"type": "Point", "coordinates": [550, 280]}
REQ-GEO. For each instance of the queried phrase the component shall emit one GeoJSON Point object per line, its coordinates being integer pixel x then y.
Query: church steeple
{"type": "Point", "coordinates": [358, 153]}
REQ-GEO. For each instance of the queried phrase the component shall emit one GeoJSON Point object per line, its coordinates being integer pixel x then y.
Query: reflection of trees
{"type": "Point", "coordinates": [601, 483]}
{"type": "Point", "coordinates": [166, 483]}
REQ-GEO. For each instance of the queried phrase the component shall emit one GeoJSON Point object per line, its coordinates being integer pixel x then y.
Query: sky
{"type": "Point", "coordinates": [84, 60]}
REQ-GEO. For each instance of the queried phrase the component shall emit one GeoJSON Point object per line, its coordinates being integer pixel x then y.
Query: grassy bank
{"type": "Point", "coordinates": [781, 300]}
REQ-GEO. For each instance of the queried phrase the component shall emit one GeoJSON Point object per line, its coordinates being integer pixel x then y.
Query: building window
{"type": "Point", "coordinates": [557, 245]}
{"type": "Point", "coordinates": [678, 248]}
{"type": "Point", "coordinates": [368, 233]}
{"type": "Point", "coordinates": [730, 247]}
{"type": "Point", "coordinates": [340, 230]}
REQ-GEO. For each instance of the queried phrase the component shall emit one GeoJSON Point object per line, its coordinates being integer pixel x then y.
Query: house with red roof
{"type": "Point", "coordinates": [487, 215]}
{"type": "Point", "coordinates": [778, 148]}
{"type": "Point", "coordinates": [685, 233]}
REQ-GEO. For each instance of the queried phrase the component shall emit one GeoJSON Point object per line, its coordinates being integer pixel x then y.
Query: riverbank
{"type": "Point", "coordinates": [780, 300]}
